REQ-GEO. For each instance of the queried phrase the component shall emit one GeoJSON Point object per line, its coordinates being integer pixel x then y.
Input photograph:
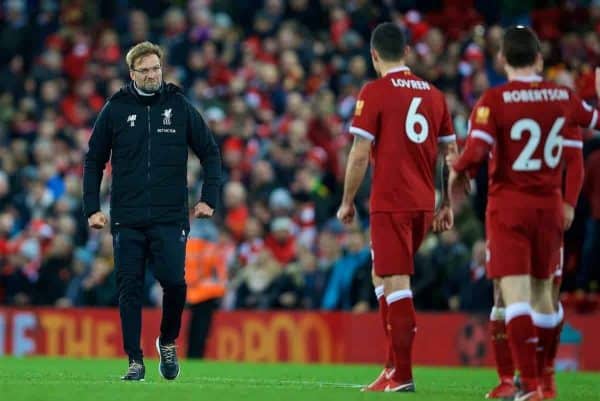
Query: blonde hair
{"type": "Point", "coordinates": [141, 50]}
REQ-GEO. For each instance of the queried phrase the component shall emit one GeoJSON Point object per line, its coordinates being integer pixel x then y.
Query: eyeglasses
{"type": "Point", "coordinates": [146, 71]}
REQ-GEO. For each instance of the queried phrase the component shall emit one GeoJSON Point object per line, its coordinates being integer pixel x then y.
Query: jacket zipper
{"type": "Point", "coordinates": [149, 149]}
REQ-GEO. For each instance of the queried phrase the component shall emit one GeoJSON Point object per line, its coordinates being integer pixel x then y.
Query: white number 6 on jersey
{"type": "Point", "coordinates": [412, 119]}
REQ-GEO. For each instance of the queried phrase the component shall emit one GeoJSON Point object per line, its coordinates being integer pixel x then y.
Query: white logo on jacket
{"type": "Point", "coordinates": [167, 114]}
{"type": "Point", "coordinates": [131, 119]}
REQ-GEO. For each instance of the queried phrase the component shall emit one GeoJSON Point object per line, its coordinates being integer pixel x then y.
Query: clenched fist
{"type": "Point", "coordinates": [97, 220]}
{"type": "Point", "coordinates": [346, 213]}
{"type": "Point", "coordinates": [202, 210]}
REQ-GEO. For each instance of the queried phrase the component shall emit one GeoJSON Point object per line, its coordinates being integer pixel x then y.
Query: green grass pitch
{"type": "Point", "coordinates": [49, 379]}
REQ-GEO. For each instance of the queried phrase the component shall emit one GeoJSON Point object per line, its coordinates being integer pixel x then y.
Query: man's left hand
{"type": "Point", "coordinates": [443, 220]}
{"type": "Point", "coordinates": [568, 215]}
{"type": "Point", "coordinates": [202, 211]}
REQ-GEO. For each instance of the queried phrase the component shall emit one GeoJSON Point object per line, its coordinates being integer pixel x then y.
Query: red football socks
{"type": "Point", "coordinates": [401, 315]}
{"type": "Point", "coordinates": [523, 342]}
{"type": "Point", "coordinates": [545, 325]}
{"type": "Point", "coordinates": [383, 312]}
{"type": "Point", "coordinates": [553, 349]}
{"type": "Point", "coordinates": [502, 355]}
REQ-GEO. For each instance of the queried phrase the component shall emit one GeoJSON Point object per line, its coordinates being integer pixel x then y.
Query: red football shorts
{"type": "Point", "coordinates": [524, 241]}
{"type": "Point", "coordinates": [395, 238]}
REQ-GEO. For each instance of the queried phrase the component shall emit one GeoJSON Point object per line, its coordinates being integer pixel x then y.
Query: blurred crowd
{"type": "Point", "coordinates": [276, 81]}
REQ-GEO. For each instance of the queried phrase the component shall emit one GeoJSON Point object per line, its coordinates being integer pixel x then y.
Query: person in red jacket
{"type": "Point", "coordinates": [281, 241]}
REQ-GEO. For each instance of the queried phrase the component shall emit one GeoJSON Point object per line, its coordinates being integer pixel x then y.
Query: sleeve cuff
{"type": "Point", "coordinates": [210, 195]}
{"type": "Point", "coordinates": [361, 132]}
{"type": "Point", "coordinates": [484, 136]}
{"type": "Point", "coordinates": [90, 210]}
{"type": "Point", "coordinates": [570, 143]}
{"type": "Point", "coordinates": [447, 138]}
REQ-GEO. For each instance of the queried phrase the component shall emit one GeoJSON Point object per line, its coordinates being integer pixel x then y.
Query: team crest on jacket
{"type": "Point", "coordinates": [167, 114]}
{"type": "Point", "coordinates": [131, 119]}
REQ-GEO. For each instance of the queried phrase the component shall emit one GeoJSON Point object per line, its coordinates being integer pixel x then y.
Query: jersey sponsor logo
{"type": "Point", "coordinates": [166, 130]}
{"type": "Point", "coordinates": [410, 83]}
{"type": "Point", "coordinates": [131, 119]}
{"type": "Point", "coordinates": [359, 107]}
{"type": "Point", "coordinates": [167, 115]}
{"type": "Point", "coordinates": [482, 115]}
{"type": "Point", "coordinates": [534, 95]}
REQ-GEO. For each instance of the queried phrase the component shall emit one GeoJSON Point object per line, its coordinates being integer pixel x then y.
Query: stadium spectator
{"type": "Point", "coordinates": [258, 283]}
{"type": "Point", "coordinates": [338, 293]}
{"type": "Point", "coordinates": [277, 90]}
{"type": "Point", "coordinates": [468, 289]}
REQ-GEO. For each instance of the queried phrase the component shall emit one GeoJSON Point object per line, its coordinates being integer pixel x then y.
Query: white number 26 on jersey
{"type": "Point", "coordinates": [413, 119]}
{"type": "Point", "coordinates": [552, 147]}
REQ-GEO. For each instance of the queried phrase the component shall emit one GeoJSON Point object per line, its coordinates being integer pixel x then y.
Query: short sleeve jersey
{"type": "Point", "coordinates": [526, 124]}
{"type": "Point", "coordinates": [405, 117]}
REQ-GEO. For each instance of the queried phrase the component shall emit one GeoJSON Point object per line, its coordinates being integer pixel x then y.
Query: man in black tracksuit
{"type": "Point", "coordinates": [146, 129]}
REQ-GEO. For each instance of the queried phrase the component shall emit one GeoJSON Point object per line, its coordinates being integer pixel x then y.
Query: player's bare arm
{"type": "Point", "coordinates": [459, 184]}
{"type": "Point", "coordinates": [444, 217]}
{"type": "Point", "coordinates": [448, 151]}
{"type": "Point", "coordinates": [358, 161]}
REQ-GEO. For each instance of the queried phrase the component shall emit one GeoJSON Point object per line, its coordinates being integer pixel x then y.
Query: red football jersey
{"type": "Point", "coordinates": [525, 123]}
{"type": "Point", "coordinates": [405, 117]}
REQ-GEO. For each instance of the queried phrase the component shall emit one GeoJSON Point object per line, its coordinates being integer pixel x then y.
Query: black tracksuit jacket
{"type": "Point", "coordinates": [149, 139]}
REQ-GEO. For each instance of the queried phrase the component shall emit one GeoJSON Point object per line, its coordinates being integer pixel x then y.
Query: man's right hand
{"type": "Point", "coordinates": [97, 220]}
{"type": "Point", "coordinates": [346, 213]}
{"type": "Point", "coordinates": [569, 215]}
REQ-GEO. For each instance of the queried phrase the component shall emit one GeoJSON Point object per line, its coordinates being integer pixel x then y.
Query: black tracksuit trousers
{"type": "Point", "coordinates": [161, 247]}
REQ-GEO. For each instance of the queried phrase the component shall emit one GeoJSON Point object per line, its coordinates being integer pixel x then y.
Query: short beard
{"type": "Point", "coordinates": [150, 87]}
